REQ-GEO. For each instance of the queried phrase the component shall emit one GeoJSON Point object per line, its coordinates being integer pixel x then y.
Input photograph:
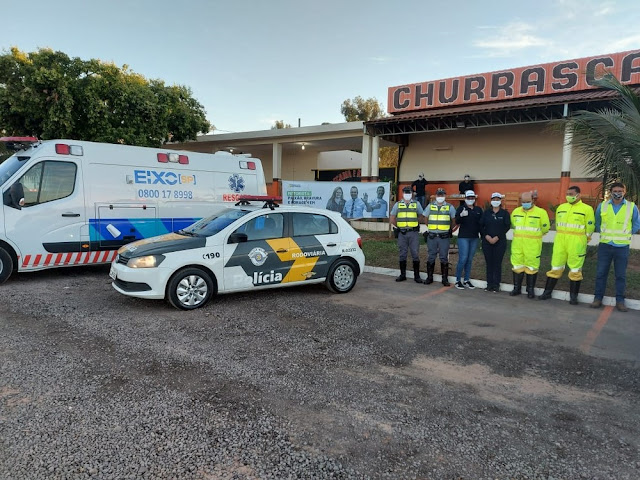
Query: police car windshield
{"type": "Point", "coordinates": [10, 166]}
{"type": "Point", "coordinates": [215, 223]}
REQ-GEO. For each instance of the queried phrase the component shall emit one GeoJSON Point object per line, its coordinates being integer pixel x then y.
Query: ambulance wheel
{"type": "Point", "coordinates": [190, 288]}
{"type": "Point", "coordinates": [6, 265]}
{"type": "Point", "coordinates": [342, 277]}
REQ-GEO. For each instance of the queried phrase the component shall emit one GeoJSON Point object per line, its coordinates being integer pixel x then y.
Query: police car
{"type": "Point", "coordinates": [241, 247]}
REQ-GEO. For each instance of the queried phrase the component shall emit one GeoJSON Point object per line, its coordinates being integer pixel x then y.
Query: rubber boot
{"type": "Point", "coordinates": [444, 268]}
{"type": "Point", "coordinates": [416, 272]}
{"type": "Point", "coordinates": [574, 289]}
{"type": "Point", "coordinates": [531, 285]}
{"type": "Point", "coordinates": [403, 272]}
{"type": "Point", "coordinates": [430, 268]}
{"type": "Point", "coordinates": [517, 284]}
{"type": "Point", "coordinates": [548, 288]}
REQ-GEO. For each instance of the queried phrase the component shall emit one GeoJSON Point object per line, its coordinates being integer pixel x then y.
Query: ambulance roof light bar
{"type": "Point", "coordinates": [18, 143]}
{"type": "Point", "coordinates": [269, 202]}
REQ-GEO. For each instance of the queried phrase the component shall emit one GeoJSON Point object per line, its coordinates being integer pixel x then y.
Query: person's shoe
{"type": "Point", "coordinates": [444, 268]}
{"type": "Point", "coordinates": [517, 284]}
{"type": "Point", "coordinates": [548, 288]}
{"type": "Point", "coordinates": [489, 288]}
{"type": "Point", "coordinates": [621, 307]}
{"type": "Point", "coordinates": [597, 303]}
{"type": "Point", "coordinates": [469, 285]}
{"type": "Point", "coordinates": [403, 271]}
{"type": "Point", "coordinates": [430, 268]}
{"type": "Point", "coordinates": [459, 285]}
{"type": "Point", "coordinates": [496, 289]}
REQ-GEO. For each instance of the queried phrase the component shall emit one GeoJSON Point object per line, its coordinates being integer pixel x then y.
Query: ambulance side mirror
{"type": "Point", "coordinates": [237, 237]}
{"type": "Point", "coordinates": [16, 196]}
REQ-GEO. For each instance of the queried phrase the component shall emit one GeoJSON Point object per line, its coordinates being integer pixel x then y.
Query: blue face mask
{"type": "Point", "coordinates": [526, 205]}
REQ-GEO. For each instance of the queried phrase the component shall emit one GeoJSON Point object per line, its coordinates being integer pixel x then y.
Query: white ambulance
{"type": "Point", "coordinates": [68, 202]}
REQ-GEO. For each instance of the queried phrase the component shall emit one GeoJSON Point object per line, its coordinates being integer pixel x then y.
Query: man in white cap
{"type": "Point", "coordinates": [419, 186]}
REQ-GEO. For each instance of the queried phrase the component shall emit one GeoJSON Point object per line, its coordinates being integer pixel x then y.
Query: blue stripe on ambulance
{"type": "Point", "coordinates": [137, 228]}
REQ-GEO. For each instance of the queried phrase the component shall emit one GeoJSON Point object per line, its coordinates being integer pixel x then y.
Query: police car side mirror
{"type": "Point", "coordinates": [237, 237]}
{"type": "Point", "coordinates": [16, 196]}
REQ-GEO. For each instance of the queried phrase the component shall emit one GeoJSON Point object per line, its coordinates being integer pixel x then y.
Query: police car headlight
{"type": "Point", "coordinates": [149, 261]}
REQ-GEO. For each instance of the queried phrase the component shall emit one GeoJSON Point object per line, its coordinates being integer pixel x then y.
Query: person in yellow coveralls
{"type": "Point", "coordinates": [575, 223]}
{"type": "Point", "coordinates": [529, 224]}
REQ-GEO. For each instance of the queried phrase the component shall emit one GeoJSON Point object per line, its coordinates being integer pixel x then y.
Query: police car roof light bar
{"type": "Point", "coordinates": [269, 202]}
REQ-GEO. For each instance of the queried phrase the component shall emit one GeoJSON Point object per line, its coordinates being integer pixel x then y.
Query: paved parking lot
{"type": "Point", "coordinates": [389, 381]}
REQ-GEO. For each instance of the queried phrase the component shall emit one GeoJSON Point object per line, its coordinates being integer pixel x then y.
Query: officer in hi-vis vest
{"type": "Point", "coordinates": [405, 216]}
{"type": "Point", "coordinates": [440, 215]}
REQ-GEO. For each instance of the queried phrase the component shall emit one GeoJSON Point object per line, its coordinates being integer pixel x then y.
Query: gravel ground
{"type": "Point", "coordinates": [291, 384]}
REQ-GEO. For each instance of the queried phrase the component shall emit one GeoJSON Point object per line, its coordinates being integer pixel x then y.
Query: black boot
{"type": "Point", "coordinates": [430, 268]}
{"type": "Point", "coordinates": [444, 268]}
{"type": "Point", "coordinates": [416, 272]}
{"type": "Point", "coordinates": [574, 289]}
{"type": "Point", "coordinates": [548, 288]}
{"type": "Point", "coordinates": [403, 271]}
{"type": "Point", "coordinates": [531, 285]}
{"type": "Point", "coordinates": [517, 284]}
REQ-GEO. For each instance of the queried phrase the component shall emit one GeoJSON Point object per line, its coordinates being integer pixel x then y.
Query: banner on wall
{"type": "Point", "coordinates": [351, 199]}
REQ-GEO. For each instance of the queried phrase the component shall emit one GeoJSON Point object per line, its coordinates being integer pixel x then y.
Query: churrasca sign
{"type": "Point", "coordinates": [557, 77]}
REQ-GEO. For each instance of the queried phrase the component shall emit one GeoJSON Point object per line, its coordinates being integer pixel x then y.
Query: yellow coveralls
{"type": "Point", "coordinates": [575, 223]}
{"type": "Point", "coordinates": [528, 228]}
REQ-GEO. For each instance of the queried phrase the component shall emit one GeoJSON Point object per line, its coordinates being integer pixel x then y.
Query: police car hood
{"type": "Point", "coordinates": [171, 242]}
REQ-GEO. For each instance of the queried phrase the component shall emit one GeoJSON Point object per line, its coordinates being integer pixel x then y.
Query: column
{"type": "Point", "coordinates": [375, 158]}
{"type": "Point", "coordinates": [276, 169]}
{"type": "Point", "coordinates": [365, 170]}
{"type": "Point", "coordinates": [565, 174]}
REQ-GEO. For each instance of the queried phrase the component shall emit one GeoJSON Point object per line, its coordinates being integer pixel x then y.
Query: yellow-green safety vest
{"type": "Point", "coordinates": [439, 218]}
{"type": "Point", "coordinates": [616, 227]}
{"type": "Point", "coordinates": [407, 215]}
{"type": "Point", "coordinates": [575, 219]}
{"type": "Point", "coordinates": [532, 223]}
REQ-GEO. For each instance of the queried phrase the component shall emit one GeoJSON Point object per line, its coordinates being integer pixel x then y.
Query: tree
{"type": "Point", "coordinates": [50, 95]}
{"type": "Point", "coordinates": [279, 124]}
{"type": "Point", "coordinates": [360, 109]}
{"type": "Point", "coordinates": [609, 138]}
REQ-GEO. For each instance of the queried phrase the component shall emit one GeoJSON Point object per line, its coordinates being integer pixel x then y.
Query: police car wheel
{"type": "Point", "coordinates": [342, 277]}
{"type": "Point", "coordinates": [6, 265]}
{"type": "Point", "coordinates": [190, 288]}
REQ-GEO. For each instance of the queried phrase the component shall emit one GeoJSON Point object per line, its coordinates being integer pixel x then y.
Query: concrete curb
{"type": "Point", "coordinates": [507, 287]}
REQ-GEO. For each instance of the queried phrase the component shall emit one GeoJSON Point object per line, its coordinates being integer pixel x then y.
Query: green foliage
{"type": "Point", "coordinates": [360, 109]}
{"type": "Point", "coordinates": [50, 95]}
{"type": "Point", "coordinates": [279, 124]}
{"type": "Point", "coordinates": [609, 138]}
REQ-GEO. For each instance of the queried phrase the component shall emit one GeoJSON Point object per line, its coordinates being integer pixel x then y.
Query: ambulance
{"type": "Point", "coordinates": [69, 203]}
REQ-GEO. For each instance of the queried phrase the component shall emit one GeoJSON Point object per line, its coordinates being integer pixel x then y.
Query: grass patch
{"type": "Point", "coordinates": [382, 251]}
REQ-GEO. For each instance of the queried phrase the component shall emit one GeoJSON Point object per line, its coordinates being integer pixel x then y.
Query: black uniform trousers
{"type": "Point", "coordinates": [493, 255]}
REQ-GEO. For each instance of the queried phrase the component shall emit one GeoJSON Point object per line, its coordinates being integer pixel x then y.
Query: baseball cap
{"type": "Point", "coordinates": [441, 191]}
{"type": "Point", "coordinates": [469, 193]}
{"type": "Point", "coordinates": [406, 189]}
{"type": "Point", "coordinates": [496, 195]}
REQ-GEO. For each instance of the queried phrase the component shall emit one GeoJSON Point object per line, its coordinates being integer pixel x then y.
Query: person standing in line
{"type": "Point", "coordinates": [616, 220]}
{"type": "Point", "coordinates": [575, 224]}
{"type": "Point", "coordinates": [420, 187]}
{"type": "Point", "coordinates": [354, 207]}
{"type": "Point", "coordinates": [529, 224]}
{"type": "Point", "coordinates": [337, 201]}
{"type": "Point", "coordinates": [378, 206]}
{"type": "Point", "coordinates": [405, 216]}
{"type": "Point", "coordinates": [468, 216]}
{"type": "Point", "coordinates": [494, 226]}
{"type": "Point", "coordinates": [440, 215]}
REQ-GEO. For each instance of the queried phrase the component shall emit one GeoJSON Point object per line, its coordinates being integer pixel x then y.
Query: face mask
{"type": "Point", "coordinates": [617, 195]}
{"type": "Point", "coordinates": [571, 198]}
{"type": "Point", "coordinates": [526, 205]}
{"type": "Point", "coordinates": [407, 197]}
{"type": "Point", "coordinates": [496, 203]}
{"type": "Point", "coordinates": [469, 202]}
{"type": "Point", "coordinates": [440, 199]}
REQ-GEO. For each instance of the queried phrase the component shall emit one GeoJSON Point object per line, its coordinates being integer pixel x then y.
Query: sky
{"type": "Point", "coordinates": [252, 62]}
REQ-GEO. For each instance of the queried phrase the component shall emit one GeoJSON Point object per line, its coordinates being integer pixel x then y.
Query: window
{"type": "Point", "coordinates": [263, 227]}
{"type": "Point", "coordinates": [312, 224]}
{"type": "Point", "coordinates": [48, 181]}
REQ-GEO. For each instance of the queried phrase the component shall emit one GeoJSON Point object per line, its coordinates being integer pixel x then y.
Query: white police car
{"type": "Point", "coordinates": [239, 248]}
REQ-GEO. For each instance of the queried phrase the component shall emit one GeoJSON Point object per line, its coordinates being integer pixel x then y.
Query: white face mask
{"type": "Point", "coordinates": [470, 202]}
{"type": "Point", "coordinates": [440, 199]}
{"type": "Point", "coordinates": [496, 203]}
{"type": "Point", "coordinates": [407, 197]}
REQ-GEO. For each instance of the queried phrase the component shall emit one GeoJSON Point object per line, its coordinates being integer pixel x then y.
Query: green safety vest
{"type": "Point", "coordinates": [407, 215]}
{"type": "Point", "coordinates": [616, 227]}
{"type": "Point", "coordinates": [439, 218]}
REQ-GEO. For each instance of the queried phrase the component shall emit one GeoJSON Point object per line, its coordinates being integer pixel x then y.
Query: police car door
{"type": "Point", "coordinates": [47, 228]}
{"type": "Point", "coordinates": [260, 261]}
{"type": "Point", "coordinates": [315, 245]}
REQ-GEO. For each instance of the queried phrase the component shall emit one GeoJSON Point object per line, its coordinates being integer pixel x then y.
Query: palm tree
{"type": "Point", "coordinates": [609, 138]}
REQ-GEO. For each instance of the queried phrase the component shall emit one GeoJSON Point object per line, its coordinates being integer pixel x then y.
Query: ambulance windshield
{"type": "Point", "coordinates": [10, 166]}
{"type": "Point", "coordinates": [215, 223]}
